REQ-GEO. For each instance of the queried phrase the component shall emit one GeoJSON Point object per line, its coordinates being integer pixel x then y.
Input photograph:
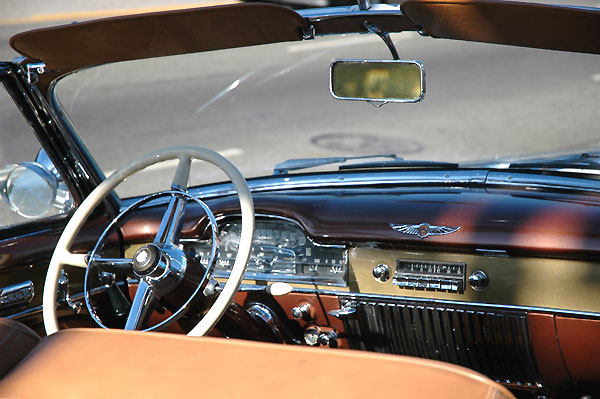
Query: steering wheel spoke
{"type": "Point", "coordinates": [71, 259]}
{"type": "Point", "coordinates": [182, 174]}
{"type": "Point", "coordinates": [170, 225]}
{"type": "Point", "coordinates": [141, 307]}
{"type": "Point", "coordinates": [121, 266]}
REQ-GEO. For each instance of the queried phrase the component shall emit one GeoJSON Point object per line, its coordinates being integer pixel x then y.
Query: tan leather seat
{"type": "Point", "coordinates": [16, 340]}
{"type": "Point", "coordinates": [97, 363]}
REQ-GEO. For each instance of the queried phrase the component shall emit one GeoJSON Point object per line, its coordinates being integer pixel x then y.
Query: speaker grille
{"type": "Point", "coordinates": [496, 344]}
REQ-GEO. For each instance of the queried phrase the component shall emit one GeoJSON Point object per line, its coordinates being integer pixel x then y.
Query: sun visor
{"type": "Point", "coordinates": [550, 27]}
{"type": "Point", "coordinates": [69, 47]}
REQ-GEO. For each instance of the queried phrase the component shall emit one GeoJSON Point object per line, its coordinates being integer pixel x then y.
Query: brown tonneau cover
{"type": "Point", "coordinates": [69, 47]}
{"type": "Point", "coordinates": [542, 26]}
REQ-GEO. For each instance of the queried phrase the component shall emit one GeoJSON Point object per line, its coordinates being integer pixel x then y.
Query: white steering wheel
{"type": "Point", "coordinates": [160, 265]}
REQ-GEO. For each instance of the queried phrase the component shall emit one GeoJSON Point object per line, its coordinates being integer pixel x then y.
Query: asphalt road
{"type": "Point", "coordinates": [262, 107]}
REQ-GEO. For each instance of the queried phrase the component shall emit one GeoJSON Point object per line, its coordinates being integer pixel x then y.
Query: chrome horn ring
{"type": "Point", "coordinates": [159, 267]}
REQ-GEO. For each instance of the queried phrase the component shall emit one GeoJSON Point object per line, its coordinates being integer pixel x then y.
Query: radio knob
{"type": "Point", "coordinates": [381, 273]}
{"type": "Point", "coordinates": [479, 280]}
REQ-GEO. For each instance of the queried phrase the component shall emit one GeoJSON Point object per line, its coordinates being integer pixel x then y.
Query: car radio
{"type": "Point", "coordinates": [430, 275]}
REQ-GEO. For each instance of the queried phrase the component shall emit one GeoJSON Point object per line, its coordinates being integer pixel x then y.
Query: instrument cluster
{"type": "Point", "coordinates": [281, 251]}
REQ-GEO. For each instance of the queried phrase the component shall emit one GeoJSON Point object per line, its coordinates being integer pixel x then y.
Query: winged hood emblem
{"type": "Point", "coordinates": [424, 229]}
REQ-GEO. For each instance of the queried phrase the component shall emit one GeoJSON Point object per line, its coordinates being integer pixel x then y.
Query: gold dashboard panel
{"type": "Point", "coordinates": [518, 281]}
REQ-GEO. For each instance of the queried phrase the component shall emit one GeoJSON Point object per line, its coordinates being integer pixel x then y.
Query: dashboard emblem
{"type": "Point", "coordinates": [424, 229]}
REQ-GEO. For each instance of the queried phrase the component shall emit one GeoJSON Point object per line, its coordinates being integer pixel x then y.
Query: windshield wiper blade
{"type": "Point", "coordinates": [580, 161]}
{"type": "Point", "coordinates": [401, 163]}
{"type": "Point", "coordinates": [305, 163]}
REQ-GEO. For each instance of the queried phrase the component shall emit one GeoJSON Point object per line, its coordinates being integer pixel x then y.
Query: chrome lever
{"type": "Point", "coordinates": [347, 309]}
{"type": "Point", "coordinates": [63, 295]}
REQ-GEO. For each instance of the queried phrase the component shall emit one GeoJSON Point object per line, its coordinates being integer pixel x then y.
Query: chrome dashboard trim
{"type": "Point", "coordinates": [17, 294]}
{"type": "Point", "coordinates": [350, 296]}
{"type": "Point", "coordinates": [351, 179]}
{"type": "Point", "coordinates": [406, 177]}
{"type": "Point", "coordinates": [37, 309]}
{"type": "Point", "coordinates": [535, 182]}
{"type": "Point", "coordinates": [26, 312]}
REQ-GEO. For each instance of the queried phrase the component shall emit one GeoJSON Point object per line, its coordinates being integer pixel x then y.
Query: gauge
{"type": "Point", "coordinates": [281, 251]}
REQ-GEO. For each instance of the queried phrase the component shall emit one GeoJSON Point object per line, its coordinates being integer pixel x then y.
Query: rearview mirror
{"type": "Point", "coordinates": [377, 80]}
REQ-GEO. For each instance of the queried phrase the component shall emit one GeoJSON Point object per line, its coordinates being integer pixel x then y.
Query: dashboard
{"type": "Point", "coordinates": [511, 294]}
{"type": "Point", "coordinates": [282, 251]}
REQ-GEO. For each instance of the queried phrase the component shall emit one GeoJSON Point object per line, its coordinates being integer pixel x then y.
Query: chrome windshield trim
{"type": "Point", "coordinates": [358, 179]}
{"type": "Point", "coordinates": [340, 180]}
{"type": "Point", "coordinates": [351, 179]}
{"type": "Point", "coordinates": [535, 182]}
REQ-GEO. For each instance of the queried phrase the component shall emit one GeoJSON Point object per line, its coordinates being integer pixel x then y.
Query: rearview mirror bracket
{"type": "Point", "coordinates": [384, 36]}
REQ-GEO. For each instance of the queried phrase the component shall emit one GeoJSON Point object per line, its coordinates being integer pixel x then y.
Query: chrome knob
{"type": "Point", "coordinates": [311, 336]}
{"type": "Point", "coordinates": [323, 339]}
{"type": "Point", "coordinates": [328, 339]}
{"type": "Point", "coordinates": [479, 280]}
{"type": "Point", "coordinates": [381, 273]}
{"type": "Point", "coordinates": [302, 312]}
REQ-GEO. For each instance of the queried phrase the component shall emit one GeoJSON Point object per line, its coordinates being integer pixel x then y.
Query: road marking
{"type": "Point", "coordinates": [172, 163]}
{"type": "Point", "coordinates": [93, 14]}
{"type": "Point", "coordinates": [596, 77]}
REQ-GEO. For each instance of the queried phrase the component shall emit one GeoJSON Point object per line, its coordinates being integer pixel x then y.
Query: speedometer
{"type": "Point", "coordinates": [281, 251]}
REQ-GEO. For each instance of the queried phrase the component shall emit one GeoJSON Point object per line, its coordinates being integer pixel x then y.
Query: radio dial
{"type": "Point", "coordinates": [479, 280]}
{"type": "Point", "coordinates": [381, 273]}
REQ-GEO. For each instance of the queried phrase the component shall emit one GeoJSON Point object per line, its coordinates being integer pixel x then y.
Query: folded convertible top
{"type": "Point", "coordinates": [69, 47]}
{"type": "Point", "coordinates": [66, 48]}
{"type": "Point", "coordinates": [542, 26]}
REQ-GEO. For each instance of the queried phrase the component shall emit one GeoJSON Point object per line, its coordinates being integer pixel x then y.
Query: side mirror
{"type": "Point", "coordinates": [377, 80]}
{"type": "Point", "coordinates": [30, 189]}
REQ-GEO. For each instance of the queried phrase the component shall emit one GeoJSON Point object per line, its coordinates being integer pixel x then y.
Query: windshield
{"type": "Point", "coordinates": [260, 106]}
